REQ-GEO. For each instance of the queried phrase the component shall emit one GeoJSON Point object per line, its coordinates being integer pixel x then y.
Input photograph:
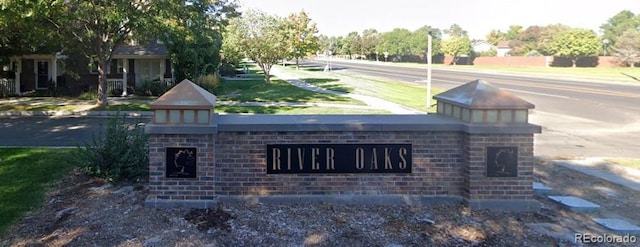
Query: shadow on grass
{"type": "Point", "coordinates": [25, 175]}
{"type": "Point", "coordinates": [329, 83]}
{"type": "Point", "coordinates": [316, 68]}
{"type": "Point", "coordinates": [253, 109]}
{"type": "Point", "coordinates": [123, 107]}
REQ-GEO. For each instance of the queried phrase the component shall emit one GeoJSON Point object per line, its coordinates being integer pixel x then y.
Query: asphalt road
{"type": "Point", "coordinates": [52, 131]}
{"type": "Point", "coordinates": [580, 118]}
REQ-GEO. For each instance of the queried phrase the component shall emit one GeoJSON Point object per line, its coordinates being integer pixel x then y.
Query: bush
{"type": "Point", "coordinates": [210, 83]}
{"type": "Point", "coordinates": [116, 92]}
{"type": "Point", "coordinates": [91, 94]}
{"type": "Point", "coordinates": [152, 88]}
{"type": "Point", "coordinates": [227, 69]}
{"type": "Point", "coordinates": [121, 155]}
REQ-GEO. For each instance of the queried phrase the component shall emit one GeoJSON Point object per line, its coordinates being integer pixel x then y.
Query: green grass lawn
{"type": "Point", "coordinates": [410, 95]}
{"type": "Point", "coordinates": [631, 163]}
{"type": "Point", "coordinates": [278, 91]}
{"type": "Point", "coordinates": [293, 110]}
{"type": "Point", "coordinates": [39, 107]}
{"type": "Point", "coordinates": [25, 175]}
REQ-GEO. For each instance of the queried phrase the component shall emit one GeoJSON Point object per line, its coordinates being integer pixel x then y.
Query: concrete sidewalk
{"type": "Point", "coordinates": [374, 102]}
{"type": "Point", "coordinates": [600, 168]}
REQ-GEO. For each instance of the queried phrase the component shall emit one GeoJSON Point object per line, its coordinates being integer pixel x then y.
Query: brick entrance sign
{"type": "Point", "coordinates": [477, 149]}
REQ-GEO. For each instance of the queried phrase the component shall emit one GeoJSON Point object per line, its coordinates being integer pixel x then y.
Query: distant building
{"type": "Point", "coordinates": [482, 46]}
{"type": "Point", "coordinates": [503, 48]}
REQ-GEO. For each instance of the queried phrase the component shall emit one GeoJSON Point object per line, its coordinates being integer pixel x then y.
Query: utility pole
{"type": "Point", "coordinates": [429, 45]}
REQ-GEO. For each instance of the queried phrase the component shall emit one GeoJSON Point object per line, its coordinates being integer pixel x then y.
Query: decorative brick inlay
{"type": "Point", "coordinates": [199, 188]}
{"type": "Point", "coordinates": [478, 186]}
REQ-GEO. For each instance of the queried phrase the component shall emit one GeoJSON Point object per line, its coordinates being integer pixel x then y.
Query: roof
{"type": "Point", "coordinates": [185, 95]}
{"type": "Point", "coordinates": [480, 94]}
{"type": "Point", "coordinates": [504, 44]}
{"type": "Point", "coordinates": [151, 49]}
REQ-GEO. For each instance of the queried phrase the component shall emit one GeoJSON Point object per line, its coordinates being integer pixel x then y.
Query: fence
{"type": "Point", "coordinates": [7, 87]}
{"type": "Point", "coordinates": [114, 85]}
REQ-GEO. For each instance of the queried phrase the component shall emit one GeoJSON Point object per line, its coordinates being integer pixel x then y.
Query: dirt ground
{"type": "Point", "coordinates": [83, 211]}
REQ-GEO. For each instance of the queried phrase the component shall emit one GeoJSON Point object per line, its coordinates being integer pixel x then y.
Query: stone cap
{"type": "Point", "coordinates": [185, 95]}
{"type": "Point", "coordinates": [480, 94]}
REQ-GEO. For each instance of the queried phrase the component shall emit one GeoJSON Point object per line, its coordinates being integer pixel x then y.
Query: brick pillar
{"type": "Point", "coordinates": [498, 145]}
{"type": "Point", "coordinates": [182, 148]}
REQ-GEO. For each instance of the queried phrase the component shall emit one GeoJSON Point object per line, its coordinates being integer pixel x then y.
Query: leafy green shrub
{"type": "Point", "coordinates": [152, 88]}
{"type": "Point", "coordinates": [209, 82]}
{"type": "Point", "coordinates": [91, 94]}
{"type": "Point", "coordinates": [227, 69]}
{"type": "Point", "coordinates": [123, 154]}
{"type": "Point", "coordinates": [116, 92]}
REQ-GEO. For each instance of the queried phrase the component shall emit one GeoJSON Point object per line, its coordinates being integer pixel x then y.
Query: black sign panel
{"type": "Point", "coordinates": [181, 162]}
{"type": "Point", "coordinates": [338, 158]}
{"type": "Point", "coordinates": [502, 161]}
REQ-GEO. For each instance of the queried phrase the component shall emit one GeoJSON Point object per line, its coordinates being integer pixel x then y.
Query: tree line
{"type": "Point", "coordinates": [620, 38]}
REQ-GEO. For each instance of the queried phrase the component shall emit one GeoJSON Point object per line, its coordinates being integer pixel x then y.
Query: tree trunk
{"type": "Point", "coordinates": [297, 64]}
{"type": "Point", "coordinates": [267, 74]}
{"type": "Point", "coordinates": [102, 84]}
{"type": "Point", "coordinates": [573, 63]}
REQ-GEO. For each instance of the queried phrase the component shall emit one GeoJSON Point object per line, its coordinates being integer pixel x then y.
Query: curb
{"type": "Point", "coordinates": [128, 114]}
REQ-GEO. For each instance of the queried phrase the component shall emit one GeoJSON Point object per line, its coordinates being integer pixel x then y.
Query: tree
{"type": "Point", "coordinates": [574, 44]}
{"type": "Point", "coordinates": [369, 42]}
{"type": "Point", "coordinates": [191, 33]}
{"type": "Point", "coordinates": [546, 36]}
{"type": "Point", "coordinates": [618, 24]}
{"type": "Point", "coordinates": [455, 31]}
{"type": "Point", "coordinates": [351, 44]}
{"type": "Point", "coordinates": [260, 37]}
{"type": "Point", "coordinates": [526, 41]}
{"type": "Point", "coordinates": [418, 41]}
{"type": "Point", "coordinates": [627, 49]}
{"type": "Point", "coordinates": [456, 46]}
{"type": "Point", "coordinates": [395, 42]}
{"type": "Point", "coordinates": [495, 36]}
{"type": "Point", "coordinates": [25, 29]}
{"type": "Point", "coordinates": [513, 32]}
{"type": "Point", "coordinates": [95, 28]}
{"type": "Point", "coordinates": [301, 35]}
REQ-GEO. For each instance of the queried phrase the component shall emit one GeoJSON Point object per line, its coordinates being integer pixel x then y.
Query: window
{"type": "Point", "coordinates": [93, 66]}
{"type": "Point", "coordinates": [116, 66]}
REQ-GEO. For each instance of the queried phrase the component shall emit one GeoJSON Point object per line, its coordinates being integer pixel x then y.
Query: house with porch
{"type": "Point", "coordinates": [503, 48]}
{"type": "Point", "coordinates": [131, 66]}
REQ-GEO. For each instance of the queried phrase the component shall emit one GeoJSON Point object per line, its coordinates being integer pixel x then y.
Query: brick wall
{"type": "Point", "coordinates": [539, 61]}
{"type": "Point", "coordinates": [240, 167]}
{"type": "Point", "coordinates": [445, 163]}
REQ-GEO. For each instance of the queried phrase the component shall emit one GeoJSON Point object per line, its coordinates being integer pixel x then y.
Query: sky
{"type": "Point", "coordinates": [478, 17]}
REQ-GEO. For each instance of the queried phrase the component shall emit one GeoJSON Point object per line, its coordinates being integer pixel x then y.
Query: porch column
{"type": "Point", "coordinates": [54, 70]}
{"type": "Point", "coordinates": [125, 70]}
{"type": "Point", "coordinates": [162, 71]}
{"type": "Point", "coordinates": [18, 64]}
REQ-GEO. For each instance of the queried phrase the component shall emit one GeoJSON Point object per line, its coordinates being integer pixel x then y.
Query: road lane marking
{"type": "Point", "coordinates": [542, 94]}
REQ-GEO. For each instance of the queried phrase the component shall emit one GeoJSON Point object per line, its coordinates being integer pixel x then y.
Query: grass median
{"type": "Point", "coordinates": [25, 175]}
{"type": "Point", "coordinates": [406, 94]}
